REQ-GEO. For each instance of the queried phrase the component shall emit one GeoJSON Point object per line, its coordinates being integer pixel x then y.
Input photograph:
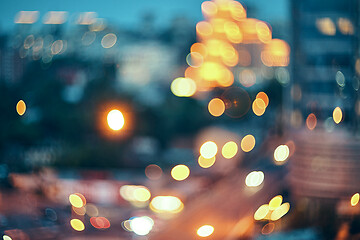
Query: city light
{"type": "Point", "coordinates": [229, 150]}
{"type": "Point", "coordinates": [77, 225]}
{"type": "Point", "coordinates": [6, 237]}
{"type": "Point", "coordinates": [21, 107]}
{"type": "Point", "coordinates": [108, 40]}
{"type": "Point", "coordinates": [248, 143]}
{"type": "Point", "coordinates": [337, 115]}
{"type": "Point", "coordinates": [100, 222]}
{"type": "Point", "coordinates": [275, 202]}
{"type": "Point", "coordinates": [355, 199]}
{"type": "Point", "coordinates": [311, 121]}
{"type": "Point", "coordinates": [166, 204]}
{"type": "Point", "coordinates": [153, 172]}
{"type": "Point", "coordinates": [141, 225]}
{"type": "Point", "coordinates": [183, 87]}
{"type": "Point", "coordinates": [254, 179]}
{"type": "Point", "coordinates": [209, 149]}
{"type": "Point", "coordinates": [281, 153]}
{"type": "Point", "coordinates": [205, 230]}
{"type": "Point", "coordinates": [206, 162]}
{"type": "Point", "coordinates": [77, 200]}
{"type": "Point", "coordinates": [115, 120]}
{"type": "Point", "coordinates": [180, 172]}
{"type": "Point", "coordinates": [216, 107]}
{"type": "Point", "coordinates": [262, 212]}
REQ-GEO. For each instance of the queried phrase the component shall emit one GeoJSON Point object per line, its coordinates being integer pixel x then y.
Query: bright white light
{"type": "Point", "coordinates": [115, 120]}
{"type": "Point", "coordinates": [254, 179]}
{"type": "Point", "coordinates": [141, 225]}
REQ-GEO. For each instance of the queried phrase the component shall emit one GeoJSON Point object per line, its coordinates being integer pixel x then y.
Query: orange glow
{"type": "Point", "coordinates": [199, 48]}
{"type": "Point", "coordinates": [264, 32]}
{"type": "Point", "coordinates": [258, 107]}
{"type": "Point", "coordinates": [204, 28]}
{"type": "Point", "coordinates": [21, 107]}
{"type": "Point", "coordinates": [248, 143]}
{"type": "Point", "coordinates": [237, 10]}
{"type": "Point", "coordinates": [337, 115]}
{"type": "Point", "coordinates": [263, 96]}
{"type": "Point", "coordinates": [100, 222]}
{"type": "Point", "coordinates": [244, 58]}
{"type": "Point", "coordinates": [311, 121]}
{"type": "Point", "coordinates": [206, 162]}
{"type": "Point", "coordinates": [209, 8]}
{"type": "Point", "coordinates": [276, 53]}
{"type": "Point", "coordinates": [216, 107]}
{"type": "Point", "coordinates": [115, 120]}
{"type": "Point", "coordinates": [153, 172]}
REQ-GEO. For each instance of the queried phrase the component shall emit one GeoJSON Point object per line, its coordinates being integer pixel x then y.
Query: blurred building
{"type": "Point", "coordinates": [325, 49]}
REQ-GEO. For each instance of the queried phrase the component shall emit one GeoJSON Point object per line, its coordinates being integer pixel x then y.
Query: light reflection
{"type": "Point", "coordinates": [258, 107]}
{"type": "Point", "coordinates": [26, 17]}
{"type": "Point", "coordinates": [194, 59]}
{"type": "Point", "coordinates": [326, 26]}
{"type": "Point", "coordinates": [6, 237]}
{"type": "Point", "coordinates": [55, 17]}
{"type": "Point", "coordinates": [100, 222]}
{"type": "Point", "coordinates": [268, 228]}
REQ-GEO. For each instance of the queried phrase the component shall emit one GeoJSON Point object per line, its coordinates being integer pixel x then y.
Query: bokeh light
{"type": "Point", "coordinates": [355, 199]}
{"type": "Point", "coordinates": [275, 202]}
{"type": "Point", "coordinates": [77, 225]}
{"type": "Point", "coordinates": [153, 172]}
{"type": "Point", "coordinates": [206, 162]}
{"type": "Point", "coordinates": [166, 204]}
{"type": "Point", "coordinates": [205, 230]}
{"type": "Point", "coordinates": [180, 172]}
{"type": "Point", "coordinates": [261, 212]}
{"type": "Point", "coordinates": [216, 107]}
{"type": "Point", "coordinates": [280, 211]}
{"type": "Point", "coordinates": [108, 40]}
{"type": "Point", "coordinates": [337, 115]}
{"type": "Point", "coordinates": [141, 225]}
{"type": "Point", "coordinates": [100, 222]}
{"type": "Point", "coordinates": [21, 107]}
{"type": "Point", "coordinates": [248, 143]}
{"type": "Point", "coordinates": [183, 87]}
{"type": "Point", "coordinates": [208, 149]}
{"type": "Point", "coordinates": [311, 121]}
{"type": "Point", "coordinates": [115, 120]}
{"type": "Point", "coordinates": [229, 149]}
{"type": "Point", "coordinates": [77, 200]}
{"type": "Point", "coordinates": [254, 179]}
{"type": "Point", "coordinates": [281, 153]}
